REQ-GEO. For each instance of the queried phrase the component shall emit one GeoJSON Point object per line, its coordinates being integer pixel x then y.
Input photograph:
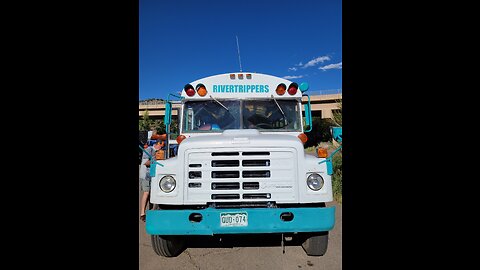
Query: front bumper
{"type": "Point", "coordinates": [260, 220]}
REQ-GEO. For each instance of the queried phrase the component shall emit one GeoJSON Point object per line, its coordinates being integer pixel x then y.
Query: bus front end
{"type": "Point", "coordinates": [241, 167]}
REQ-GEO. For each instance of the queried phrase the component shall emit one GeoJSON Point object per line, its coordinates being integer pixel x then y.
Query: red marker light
{"type": "Point", "coordinates": [292, 89]}
{"type": "Point", "coordinates": [189, 90]}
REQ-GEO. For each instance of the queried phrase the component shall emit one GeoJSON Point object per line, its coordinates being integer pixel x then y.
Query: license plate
{"type": "Point", "coordinates": [234, 219]}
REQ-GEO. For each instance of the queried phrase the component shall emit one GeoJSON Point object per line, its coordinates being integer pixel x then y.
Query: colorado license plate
{"type": "Point", "coordinates": [234, 219]}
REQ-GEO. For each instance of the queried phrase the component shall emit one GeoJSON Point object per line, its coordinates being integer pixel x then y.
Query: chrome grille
{"type": "Point", "coordinates": [257, 196]}
{"type": "Point", "coordinates": [225, 163]}
{"type": "Point", "coordinates": [225, 174]}
{"type": "Point", "coordinates": [225, 196]}
{"type": "Point", "coordinates": [256, 163]}
{"type": "Point", "coordinates": [251, 185]}
{"type": "Point", "coordinates": [246, 175]}
{"type": "Point", "coordinates": [255, 174]}
{"type": "Point", "coordinates": [225, 186]}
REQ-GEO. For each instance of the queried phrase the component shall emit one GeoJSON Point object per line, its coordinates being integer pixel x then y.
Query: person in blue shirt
{"type": "Point", "coordinates": [145, 177]}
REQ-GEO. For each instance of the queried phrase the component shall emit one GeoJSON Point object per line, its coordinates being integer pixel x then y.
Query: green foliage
{"type": "Point", "coordinates": [152, 100]}
{"type": "Point", "coordinates": [311, 150]}
{"type": "Point", "coordinates": [145, 123]}
{"type": "Point", "coordinates": [337, 177]}
{"type": "Point", "coordinates": [337, 114]}
{"type": "Point", "coordinates": [174, 128]}
{"type": "Point", "coordinates": [159, 126]}
{"type": "Point", "coordinates": [337, 159]}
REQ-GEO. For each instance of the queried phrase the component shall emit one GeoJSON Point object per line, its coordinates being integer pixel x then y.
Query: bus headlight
{"type": "Point", "coordinates": [167, 184]}
{"type": "Point", "coordinates": [315, 181]}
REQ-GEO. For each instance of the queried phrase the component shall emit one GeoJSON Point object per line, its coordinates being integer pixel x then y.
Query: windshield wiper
{"type": "Point", "coordinates": [278, 105]}
{"type": "Point", "coordinates": [219, 103]}
{"type": "Point", "coordinates": [225, 107]}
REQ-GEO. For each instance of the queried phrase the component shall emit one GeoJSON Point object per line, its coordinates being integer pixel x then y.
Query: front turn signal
{"type": "Point", "coordinates": [303, 137]}
{"type": "Point", "coordinates": [180, 138]}
{"type": "Point", "coordinates": [322, 152]}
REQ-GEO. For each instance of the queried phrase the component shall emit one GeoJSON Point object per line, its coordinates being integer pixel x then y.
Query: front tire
{"type": "Point", "coordinates": [316, 245]}
{"type": "Point", "coordinates": [168, 246]}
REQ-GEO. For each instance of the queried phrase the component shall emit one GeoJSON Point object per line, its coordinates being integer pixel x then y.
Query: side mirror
{"type": "Point", "coordinates": [308, 115]}
{"type": "Point", "coordinates": [168, 113]}
{"type": "Point", "coordinates": [336, 133]}
{"type": "Point", "coordinates": [329, 167]}
{"type": "Point", "coordinates": [304, 87]}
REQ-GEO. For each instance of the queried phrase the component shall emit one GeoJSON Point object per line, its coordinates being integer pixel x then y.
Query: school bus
{"type": "Point", "coordinates": [240, 166]}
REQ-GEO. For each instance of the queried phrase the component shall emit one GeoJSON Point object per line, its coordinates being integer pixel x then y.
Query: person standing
{"type": "Point", "coordinates": [145, 176]}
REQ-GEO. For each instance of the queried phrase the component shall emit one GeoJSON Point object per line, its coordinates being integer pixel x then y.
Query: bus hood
{"type": "Point", "coordinates": [240, 138]}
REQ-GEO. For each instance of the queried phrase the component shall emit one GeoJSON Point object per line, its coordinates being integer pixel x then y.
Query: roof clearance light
{"type": "Point", "coordinates": [240, 76]}
{"type": "Point", "coordinates": [281, 89]}
{"type": "Point", "coordinates": [292, 89]}
{"type": "Point", "coordinates": [249, 76]}
{"type": "Point", "coordinates": [232, 76]}
{"type": "Point", "coordinates": [201, 90]}
{"type": "Point", "coordinates": [303, 137]}
{"type": "Point", "coordinates": [189, 90]}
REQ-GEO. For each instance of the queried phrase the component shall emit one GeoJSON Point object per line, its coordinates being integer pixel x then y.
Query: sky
{"type": "Point", "coordinates": [185, 40]}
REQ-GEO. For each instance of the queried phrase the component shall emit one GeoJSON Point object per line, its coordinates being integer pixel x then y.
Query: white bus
{"type": "Point", "coordinates": [241, 167]}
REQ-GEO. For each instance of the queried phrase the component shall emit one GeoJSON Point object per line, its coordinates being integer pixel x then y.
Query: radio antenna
{"type": "Point", "coordinates": [239, 60]}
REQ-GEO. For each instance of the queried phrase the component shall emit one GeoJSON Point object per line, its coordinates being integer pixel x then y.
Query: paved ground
{"type": "Point", "coordinates": [252, 252]}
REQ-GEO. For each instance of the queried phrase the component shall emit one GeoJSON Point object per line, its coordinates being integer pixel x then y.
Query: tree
{"type": "Point", "coordinates": [337, 159]}
{"type": "Point", "coordinates": [145, 123]}
{"type": "Point", "coordinates": [159, 126]}
{"type": "Point", "coordinates": [337, 114]}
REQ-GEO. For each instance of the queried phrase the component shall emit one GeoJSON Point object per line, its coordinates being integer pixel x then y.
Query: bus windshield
{"type": "Point", "coordinates": [272, 115]}
{"type": "Point", "coordinates": [211, 115]}
{"type": "Point", "coordinates": [262, 114]}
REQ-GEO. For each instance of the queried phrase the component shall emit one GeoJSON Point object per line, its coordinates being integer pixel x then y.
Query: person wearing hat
{"type": "Point", "coordinates": [145, 176]}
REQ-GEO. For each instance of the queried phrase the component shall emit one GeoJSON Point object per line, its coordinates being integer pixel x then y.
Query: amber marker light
{"type": "Point", "coordinates": [281, 88]}
{"type": "Point", "coordinates": [303, 137]}
{"type": "Point", "coordinates": [201, 90]}
{"type": "Point", "coordinates": [180, 138]}
{"type": "Point", "coordinates": [322, 152]}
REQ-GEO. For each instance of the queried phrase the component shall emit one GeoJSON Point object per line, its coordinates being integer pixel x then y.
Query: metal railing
{"type": "Point", "coordinates": [151, 102]}
{"type": "Point", "coordinates": [325, 92]}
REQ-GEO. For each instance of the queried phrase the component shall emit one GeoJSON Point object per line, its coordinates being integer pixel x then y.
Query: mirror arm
{"type": "Point", "coordinates": [308, 114]}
